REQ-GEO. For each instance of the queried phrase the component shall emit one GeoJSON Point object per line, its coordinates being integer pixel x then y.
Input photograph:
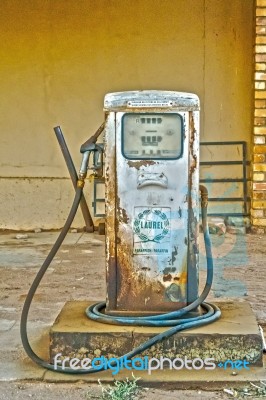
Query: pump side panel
{"type": "Point", "coordinates": [110, 205]}
{"type": "Point", "coordinates": [152, 223]}
{"type": "Point", "coordinates": [193, 206]}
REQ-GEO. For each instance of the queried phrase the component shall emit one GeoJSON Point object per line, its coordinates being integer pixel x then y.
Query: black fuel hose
{"type": "Point", "coordinates": [38, 278]}
{"type": "Point", "coordinates": [212, 314]}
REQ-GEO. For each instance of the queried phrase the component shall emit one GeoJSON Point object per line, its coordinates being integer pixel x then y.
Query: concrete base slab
{"type": "Point", "coordinates": [234, 337]}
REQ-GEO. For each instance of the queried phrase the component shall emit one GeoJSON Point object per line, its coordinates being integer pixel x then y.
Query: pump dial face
{"type": "Point", "coordinates": [152, 136]}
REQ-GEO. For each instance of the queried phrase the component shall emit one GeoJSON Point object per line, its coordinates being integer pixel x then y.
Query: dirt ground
{"type": "Point", "coordinates": [78, 272]}
{"type": "Point", "coordinates": [52, 391]}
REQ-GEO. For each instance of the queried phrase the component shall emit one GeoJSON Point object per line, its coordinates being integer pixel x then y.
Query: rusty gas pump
{"type": "Point", "coordinates": [152, 178]}
{"type": "Point", "coordinates": [151, 168]}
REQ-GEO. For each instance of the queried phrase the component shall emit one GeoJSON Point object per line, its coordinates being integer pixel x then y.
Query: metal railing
{"type": "Point", "coordinates": [244, 199]}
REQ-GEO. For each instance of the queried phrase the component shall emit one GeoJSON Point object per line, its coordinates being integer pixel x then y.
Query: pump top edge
{"type": "Point", "coordinates": [151, 99]}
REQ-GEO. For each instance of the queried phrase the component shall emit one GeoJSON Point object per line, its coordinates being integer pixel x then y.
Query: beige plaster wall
{"type": "Point", "coordinates": [58, 59]}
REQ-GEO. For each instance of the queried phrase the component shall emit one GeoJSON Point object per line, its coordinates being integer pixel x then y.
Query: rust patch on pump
{"type": "Point", "coordinates": [174, 254]}
{"type": "Point", "coordinates": [167, 270]}
{"type": "Point", "coordinates": [167, 278]}
{"type": "Point", "coordinates": [194, 160]}
{"type": "Point", "coordinates": [123, 215]}
{"type": "Point", "coordinates": [137, 292]}
{"type": "Point", "coordinates": [140, 163]}
{"type": "Point", "coordinates": [193, 164]}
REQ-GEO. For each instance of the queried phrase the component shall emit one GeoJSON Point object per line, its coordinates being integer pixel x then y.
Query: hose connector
{"type": "Point", "coordinates": [83, 169]}
{"type": "Point", "coordinates": [80, 182]}
{"type": "Point", "coordinates": [204, 196]}
{"type": "Point", "coordinates": [204, 207]}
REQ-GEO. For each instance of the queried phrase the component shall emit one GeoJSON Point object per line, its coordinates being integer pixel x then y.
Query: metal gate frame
{"type": "Point", "coordinates": [244, 179]}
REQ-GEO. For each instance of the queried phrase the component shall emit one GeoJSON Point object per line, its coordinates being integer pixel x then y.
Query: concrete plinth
{"type": "Point", "coordinates": [234, 337]}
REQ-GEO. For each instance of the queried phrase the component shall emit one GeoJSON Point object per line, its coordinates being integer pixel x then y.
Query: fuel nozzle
{"type": "Point", "coordinates": [86, 149]}
{"type": "Point", "coordinates": [97, 161]}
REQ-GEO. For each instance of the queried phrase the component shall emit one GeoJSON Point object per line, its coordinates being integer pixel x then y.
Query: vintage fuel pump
{"type": "Point", "coordinates": [152, 201]}
{"type": "Point", "coordinates": [151, 147]}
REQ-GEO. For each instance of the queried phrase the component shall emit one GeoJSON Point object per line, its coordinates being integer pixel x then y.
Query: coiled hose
{"type": "Point", "coordinates": [94, 312]}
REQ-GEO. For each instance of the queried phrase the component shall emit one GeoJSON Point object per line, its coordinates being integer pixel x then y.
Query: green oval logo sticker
{"type": "Point", "coordinates": [151, 225]}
